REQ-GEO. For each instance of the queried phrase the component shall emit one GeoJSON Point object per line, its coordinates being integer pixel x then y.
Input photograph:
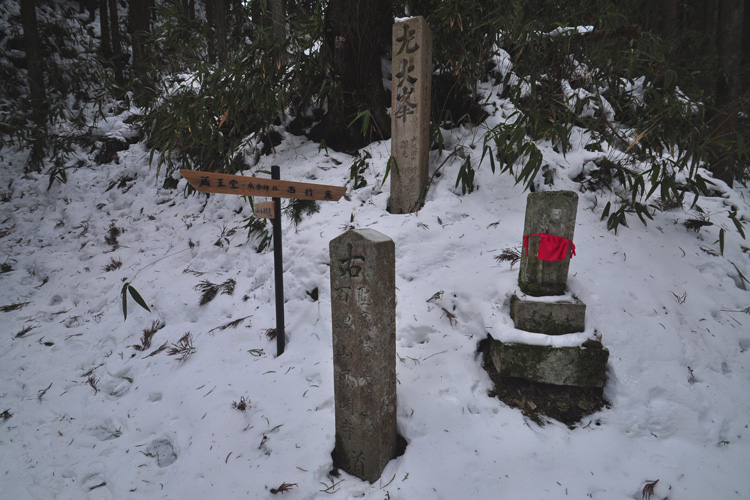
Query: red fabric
{"type": "Point", "coordinates": [550, 247]}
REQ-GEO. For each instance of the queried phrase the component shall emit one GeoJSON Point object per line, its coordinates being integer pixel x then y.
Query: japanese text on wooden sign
{"type": "Point", "coordinates": [212, 182]}
{"type": "Point", "coordinates": [265, 210]}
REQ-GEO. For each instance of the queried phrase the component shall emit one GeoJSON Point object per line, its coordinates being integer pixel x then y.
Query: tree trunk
{"type": "Point", "coordinates": [728, 90]}
{"type": "Point", "coordinates": [668, 25]}
{"type": "Point", "coordinates": [210, 38]}
{"type": "Point", "coordinates": [89, 5]}
{"type": "Point", "coordinates": [106, 44]}
{"type": "Point", "coordinates": [114, 29]}
{"type": "Point", "coordinates": [711, 15]}
{"type": "Point", "coordinates": [356, 32]}
{"type": "Point", "coordinates": [220, 16]}
{"type": "Point", "coordinates": [140, 26]}
{"type": "Point", "coordinates": [278, 19]}
{"type": "Point", "coordinates": [37, 90]}
{"type": "Point", "coordinates": [746, 36]}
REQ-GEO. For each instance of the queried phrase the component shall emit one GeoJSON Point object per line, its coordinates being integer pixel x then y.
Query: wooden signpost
{"type": "Point", "coordinates": [212, 182]}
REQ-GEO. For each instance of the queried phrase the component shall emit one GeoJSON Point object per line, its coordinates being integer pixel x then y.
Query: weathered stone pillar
{"type": "Point", "coordinates": [363, 309]}
{"type": "Point", "coordinates": [410, 114]}
{"type": "Point", "coordinates": [553, 213]}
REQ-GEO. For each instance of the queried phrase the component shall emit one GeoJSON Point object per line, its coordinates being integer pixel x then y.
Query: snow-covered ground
{"type": "Point", "coordinates": [87, 415]}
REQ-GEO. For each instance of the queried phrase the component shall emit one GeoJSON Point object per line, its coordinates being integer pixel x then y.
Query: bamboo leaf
{"type": "Point", "coordinates": [137, 297]}
{"type": "Point", "coordinates": [123, 293]}
{"type": "Point", "coordinates": [737, 224]}
{"type": "Point", "coordinates": [224, 118]}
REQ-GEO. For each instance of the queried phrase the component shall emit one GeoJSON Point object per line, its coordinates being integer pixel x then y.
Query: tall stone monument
{"type": "Point", "coordinates": [363, 310]}
{"type": "Point", "coordinates": [410, 114]}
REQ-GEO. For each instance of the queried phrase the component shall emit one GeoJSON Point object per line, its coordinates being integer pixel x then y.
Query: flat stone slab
{"type": "Point", "coordinates": [548, 317]}
{"type": "Point", "coordinates": [572, 366]}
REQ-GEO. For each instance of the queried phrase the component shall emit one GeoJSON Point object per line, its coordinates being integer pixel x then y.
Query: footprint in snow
{"type": "Point", "coordinates": [163, 451]}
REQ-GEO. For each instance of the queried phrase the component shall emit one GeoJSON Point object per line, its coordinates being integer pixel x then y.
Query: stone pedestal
{"type": "Point", "coordinates": [578, 366]}
{"type": "Point", "coordinates": [551, 318]}
{"type": "Point", "coordinates": [363, 310]}
{"type": "Point", "coordinates": [410, 114]}
{"type": "Point", "coordinates": [542, 276]}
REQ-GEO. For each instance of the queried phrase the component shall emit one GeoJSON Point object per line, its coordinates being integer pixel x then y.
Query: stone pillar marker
{"type": "Point", "coordinates": [363, 310]}
{"type": "Point", "coordinates": [550, 212]}
{"type": "Point", "coordinates": [410, 114]}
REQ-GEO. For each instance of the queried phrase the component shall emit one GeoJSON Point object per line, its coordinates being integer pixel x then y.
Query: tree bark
{"type": "Point", "coordinates": [220, 16]}
{"type": "Point", "coordinates": [140, 26]}
{"type": "Point", "coordinates": [210, 35]}
{"type": "Point", "coordinates": [356, 32]}
{"type": "Point", "coordinates": [89, 5]}
{"type": "Point", "coordinates": [728, 90]}
{"type": "Point", "coordinates": [278, 19]}
{"type": "Point", "coordinates": [114, 29]}
{"type": "Point", "coordinates": [746, 35]}
{"type": "Point", "coordinates": [37, 90]}
{"type": "Point", "coordinates": [669, 25]}
{"type": "Point", "coordinates": [106, 43]}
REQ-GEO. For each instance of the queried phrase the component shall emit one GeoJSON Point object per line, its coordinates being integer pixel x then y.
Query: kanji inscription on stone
{"type": "Point", "coordinates": [363, 310]}
{"type": "Point", "coordinates": [410, 114]}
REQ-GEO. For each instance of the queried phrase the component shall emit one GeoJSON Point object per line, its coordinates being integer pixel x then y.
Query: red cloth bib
{"type": "Point", "coordinates": [551, 247]}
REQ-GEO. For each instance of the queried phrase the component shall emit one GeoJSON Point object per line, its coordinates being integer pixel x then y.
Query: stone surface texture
{"type": "Point", "coordinates": [363, 307]}
{"type": "Point", "coordinates": [410, 114]}
{"type": "Point", "coordinates": [550, 212]}
{"type": "Point", "coordinates": [550, 318]}
{"type": "Point", "coordinates": [572, 366]}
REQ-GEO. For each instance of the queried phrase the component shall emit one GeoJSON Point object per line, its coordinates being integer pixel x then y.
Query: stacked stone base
{"type": "Point", "coordinates": [580, 366]}
{"type": "Point", "coordinates": [552, 318]}
{"type": "Point", "coordinates": [572, 366]}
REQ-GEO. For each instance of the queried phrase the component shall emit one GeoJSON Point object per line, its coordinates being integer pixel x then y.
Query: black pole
{"type": "Point", "coordinates": [278, 267]}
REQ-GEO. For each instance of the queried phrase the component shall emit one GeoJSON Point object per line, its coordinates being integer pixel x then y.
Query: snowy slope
{"type": "Point", "coordinates": [670, 312]}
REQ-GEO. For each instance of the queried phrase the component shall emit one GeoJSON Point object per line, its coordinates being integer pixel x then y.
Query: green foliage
{"type": "Point", "coordinates": [79, 88]}
{"type": "Point", "coordinates": [464, 33]}
{"type": "Point", "coordinates": [511, 147]}
{"type": "Point", "coordinates": [128, 288]}
{"type": "Point", "coordinates": [296, 209]}
{"type": "Point", "coordinates": [466, 176]}
{"type": "Point", "coordinates": [257, 229]}
{"type": "Point", "coordinates": [57, 174]}
{"type": "Point", "coordinates": [176, 35]}
{"type": "Point", "coordinates": [202, 121]}
{"type": "Point", "coordinates": [358, 168]}
{"type": "Point", "coordinates": [392, 164]}
{"type": "Point", "coordinates": [610, 82]}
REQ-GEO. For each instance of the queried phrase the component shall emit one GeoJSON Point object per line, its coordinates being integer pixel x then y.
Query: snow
{"type": "Point", "coordinates": [670, 312]}
{"type": "Point", "coordinates": [86, 415]}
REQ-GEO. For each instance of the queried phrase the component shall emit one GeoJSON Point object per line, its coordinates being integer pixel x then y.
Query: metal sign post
{"type": "Point", "coordinates": [278, 268]}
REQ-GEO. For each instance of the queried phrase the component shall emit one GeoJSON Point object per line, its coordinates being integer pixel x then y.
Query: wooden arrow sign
{"type": "Point", "coordinates": [212, 182]}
